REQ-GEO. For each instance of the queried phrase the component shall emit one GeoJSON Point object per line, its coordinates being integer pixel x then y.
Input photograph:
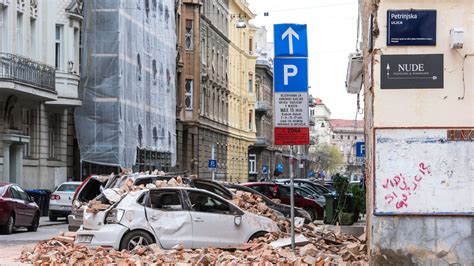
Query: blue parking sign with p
{"type": "Point", "coordinates": [291, 74]}
{"type": "Point", "coordinates": [212, 164]}
{"type": "Point", "coordinates": [360, 149]}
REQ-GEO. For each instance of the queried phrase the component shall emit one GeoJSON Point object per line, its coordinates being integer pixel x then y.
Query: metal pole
{"type": "Point", "coordinates": [292, 201]}
{"type": "Point", "coordinates": [213, 170]}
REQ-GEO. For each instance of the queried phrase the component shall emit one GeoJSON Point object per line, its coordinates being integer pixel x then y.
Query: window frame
{"type": "Point", "coordinates": [188, 94]}
{"type": "Point", "coordinates": [58, 47]}
{"type": "Point", "coordinates": [253, 163]}
{"type": "Point", "coordinates": [188, 34]}
{"type": "Point", "coordinates": [148, 202]}
{"type": "Point", "coordinates": [231, 209]}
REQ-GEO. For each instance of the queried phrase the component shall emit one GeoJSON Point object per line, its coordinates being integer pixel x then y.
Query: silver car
{"type": "Point", "coordinates": [60, 202]}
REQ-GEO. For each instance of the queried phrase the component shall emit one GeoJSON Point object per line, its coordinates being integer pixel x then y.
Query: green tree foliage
{"type": "Point", "coordinates": [327, 157]}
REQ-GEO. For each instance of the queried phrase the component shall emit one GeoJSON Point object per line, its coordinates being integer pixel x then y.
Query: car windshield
{"type": "Point", "coordinates": [67, 187]}
{"type": "Point", "coordinates": [303, 192]}
{"type": "Point", "coordinates": [2, 190]}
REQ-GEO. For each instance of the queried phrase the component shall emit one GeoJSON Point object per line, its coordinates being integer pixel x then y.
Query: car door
{"type": "Point", "coordinates": [28, 207]}
{"type": "Point", "coordinates": [168, 218]}
{"type": "Point", "coordinates": [213, 221]}
{"type": "Point", "coordinates": [18, 206]}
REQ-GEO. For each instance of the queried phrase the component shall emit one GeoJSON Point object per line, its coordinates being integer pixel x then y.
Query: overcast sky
{"type": "Point", "coordinates": [332, 30]}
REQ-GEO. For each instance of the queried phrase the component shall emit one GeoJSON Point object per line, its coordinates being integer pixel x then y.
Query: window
{"type": "Point", "coordinates": [3, 29]}
{"type": "Point", "coordinates": [355, 137]}
{"type": "Point", "coordinates": [202, 202]}
{"type": "Point", "coordinates": [188, 36]}
{"type": "Point", "coordinates": [250, 120]}
{"type": "Point", "coordinates": [155, 71]}
{"type": "Point", "coordinates": [250, 46]}
{"type": "Point", "coordinates": [76, 44]}
{"type": "Point", "coordinates": [28, 129]}
{"type": "Point", "coordinates": [333, 136]}
{"type": "Point", "coordinates": [252, 164]}
{"type": "Point", "coordinates": [341, 136]}
{"type": "Point", "coordinates": [165, 200]}
{"type": "Point", "coordinates": [58, 47]}
{"type": "Point", "coordinates": [188, 95]}
{"type": "Point", "coordinates": [53, 133]}
{"type": "Point", "coordinates": [33, 45]}
{"type": "Point", "coordinates": [19, 33]}
{"type": "Point", "coordinates": [68, 187]}
{"type": "Point", "coordinates": [139, 67]}
{"type": "Point", "coordinates": [250, 85]}
{"type": "Point", "coordinates": [311, 112]}
{"type": "Point", "coordinates": [203, 51]}
{"type": "Point", "coordinates": [348, 137]}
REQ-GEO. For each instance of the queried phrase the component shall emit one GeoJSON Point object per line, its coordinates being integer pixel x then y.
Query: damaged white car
{"type": "Point", "coordinates": [191, 217]}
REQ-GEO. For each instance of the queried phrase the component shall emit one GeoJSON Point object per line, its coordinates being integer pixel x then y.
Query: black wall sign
{"type": "Point", "coordinates": [418, 71]}
{"type": "Point", "coordinates": [411, 27]}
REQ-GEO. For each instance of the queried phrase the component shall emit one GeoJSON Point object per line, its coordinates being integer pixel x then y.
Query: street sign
{"type": "Point", "coordinates": [417, 71]}
{"type": "Point", "coordinates": [360, 149]}
{"type": "Point", "coordinates": [411, 27]}
{"type": "Point", "coordinates": [290, 40]}
{"type": "Point", "coordinates": [291, 117]}
{"type": "Point", "coordinates": [212, 164]}
{"type": "Point", "coordinates": [291, 74]}
{"type": "Point", "coordinates": [264, 169]}
{"type": "Point", "coordinates": [280, 168]}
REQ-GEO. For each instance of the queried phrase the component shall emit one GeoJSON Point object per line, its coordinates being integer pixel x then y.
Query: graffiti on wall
{"type": "Point", "coordinates": [423, 171]}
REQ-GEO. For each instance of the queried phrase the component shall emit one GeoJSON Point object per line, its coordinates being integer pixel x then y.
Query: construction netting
{"type": "Point", "coordinates": [127, 81]}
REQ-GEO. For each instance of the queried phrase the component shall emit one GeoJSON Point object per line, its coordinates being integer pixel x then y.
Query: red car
{"type": "Point", "coordinates": [282, 192]}
{"type": "Point", "coordinates": [17, 209]}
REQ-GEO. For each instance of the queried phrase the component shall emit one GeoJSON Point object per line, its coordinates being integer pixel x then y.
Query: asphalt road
{"type": "Point", "coordinates": [12, 245]}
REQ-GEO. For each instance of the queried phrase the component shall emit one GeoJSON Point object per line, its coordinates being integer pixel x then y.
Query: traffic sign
{"type": "Point", "coordinates": [291, 74]}
{"type": "Point", "coordinates": [360, 149]}
{"type": "Point", "coordinates": [212, 164]}
{"type": "Point", "coordinates": [264, 169]}
{"type": "Point", "coordinates": [280, 168]}
{"type": "Point", "coordinates": [290, 40]}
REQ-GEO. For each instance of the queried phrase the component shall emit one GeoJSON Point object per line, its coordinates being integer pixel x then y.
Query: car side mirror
{"type": "Point", "coordinates": [237, 220]}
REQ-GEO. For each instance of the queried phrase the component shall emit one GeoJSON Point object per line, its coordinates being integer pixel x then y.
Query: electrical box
{"type": "Point", "coordinates": [456, 40]}
{"type": "Point", "coordinates": [354, 76]}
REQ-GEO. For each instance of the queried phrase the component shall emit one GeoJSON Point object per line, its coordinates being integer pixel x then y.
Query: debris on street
{"type": "Point", "coordinates": [314, 245]}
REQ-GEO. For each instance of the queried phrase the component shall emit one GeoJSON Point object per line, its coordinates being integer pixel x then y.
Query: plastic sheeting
{"type": "Point", "coordinates": [127, 81]}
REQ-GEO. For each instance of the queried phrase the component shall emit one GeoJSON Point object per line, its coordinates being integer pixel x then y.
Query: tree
{"type": "Point", "coordinates": [327, 157]}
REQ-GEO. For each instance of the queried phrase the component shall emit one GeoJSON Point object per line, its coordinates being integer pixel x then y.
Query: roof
{"type": "Point", "coordinates": [346, 123]}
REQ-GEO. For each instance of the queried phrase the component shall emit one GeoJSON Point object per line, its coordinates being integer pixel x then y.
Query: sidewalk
{"type": "Point", "coordinates": [44, 221]}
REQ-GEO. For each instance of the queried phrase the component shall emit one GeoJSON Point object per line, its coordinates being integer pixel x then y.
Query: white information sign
{"type": "Point", "coordinates": [424, 171]}
{"type": "Point", "coordinates": [291, 109]}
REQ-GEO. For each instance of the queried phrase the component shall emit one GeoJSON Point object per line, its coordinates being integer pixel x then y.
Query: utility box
{"type": "Point", "coordinates": [354, 73]}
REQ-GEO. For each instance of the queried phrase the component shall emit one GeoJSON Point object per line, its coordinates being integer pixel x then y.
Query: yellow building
{"type": "Point", "coordinates": [241, 107]}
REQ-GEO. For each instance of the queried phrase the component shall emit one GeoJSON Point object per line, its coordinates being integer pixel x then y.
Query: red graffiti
{"type": "Point", "coordinates": [399, 183]}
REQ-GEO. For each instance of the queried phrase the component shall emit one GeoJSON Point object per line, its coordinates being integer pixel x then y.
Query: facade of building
{"type": "Point", "coordinates": [39, 77]}
{"type": "Point", "coordinates": [127, 119]}
{"type": "Point", "coordinates": [411, 130]}
{"type": "Point", "coordinates": [263, 154]}
{"type": "Point", "coordinates": [344, 135]}
{"type": "Point", "coordinates": [202, 93]}
{"type": "Point", "coordinates": [242, 60]}
{"type": "Point", "coordinates": [320, 132]}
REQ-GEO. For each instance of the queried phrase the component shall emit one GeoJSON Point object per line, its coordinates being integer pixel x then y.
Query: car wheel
{"type": "Point", "coordinates": [135, 238]}
{"type": "Point", "coordinates": [34, 225]}
{"type": "Point", "coordinates": [52, 217]}
{"type": "Point", "coordinates": [311, 213]}
{"type": "Point", "coordinates": [257, 235]}
{"type": "Point", "coordinates": [9, 226]}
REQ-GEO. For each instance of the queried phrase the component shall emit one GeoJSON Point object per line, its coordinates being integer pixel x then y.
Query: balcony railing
{"type": "Point", "coordinates": [26, 71]}
{"type": "Point", "coordinates": [262, 106]}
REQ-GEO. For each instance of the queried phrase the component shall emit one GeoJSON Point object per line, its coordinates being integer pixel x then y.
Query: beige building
{"type": "Point", "coordinates": [39, 77]}
{"type": "Point", "coordinates": [344, 135]}
{"type": "Point", "coordinates": [424, 134]}
{"type": "Point", "coordinates": [242, 60]}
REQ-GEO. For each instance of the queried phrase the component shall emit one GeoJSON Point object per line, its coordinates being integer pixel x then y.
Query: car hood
{"type": "Point", "coordinates": [260, 222]}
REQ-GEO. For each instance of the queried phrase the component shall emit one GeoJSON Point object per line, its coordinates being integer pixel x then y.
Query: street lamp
{"type": "Point", "coordinates": [241, 23]}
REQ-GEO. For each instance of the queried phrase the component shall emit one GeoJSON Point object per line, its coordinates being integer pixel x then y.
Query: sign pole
{"type": "Point", "coordinates": [292, 200]}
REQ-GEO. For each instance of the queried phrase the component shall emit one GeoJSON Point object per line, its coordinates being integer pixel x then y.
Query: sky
{"type": "Point", "coordinates": [332, 31]}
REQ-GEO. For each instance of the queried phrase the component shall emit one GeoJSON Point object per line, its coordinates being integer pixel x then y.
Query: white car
{"type": "Point", "coordinates": [60, 202]}
{"type": "Point", "coordinates": [192, 217]}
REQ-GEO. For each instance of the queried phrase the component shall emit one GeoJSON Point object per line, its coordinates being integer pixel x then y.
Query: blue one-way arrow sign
{"type": "Point", "coordinates": [290, 40]}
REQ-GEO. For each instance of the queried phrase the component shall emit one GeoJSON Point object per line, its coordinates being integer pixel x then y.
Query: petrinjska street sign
{"type": "Point", "coordinates": [411, 27]}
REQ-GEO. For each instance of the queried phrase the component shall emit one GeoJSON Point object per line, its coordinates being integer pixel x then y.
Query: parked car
{"type": "Point", "coordinates": [281, 208]}
{"type": "Point", "coordinates": [192, 217]}
{"type": "Point", "coordinates": [17, 209]}
{"type": "Point", "coordinates": [319, 188]}
{"type": "Point", "coordinates": [94, 185]}
{"type": "Point", "coordinates": [60, 202]}
{"type": "Point", "coordinates": [282, 192]}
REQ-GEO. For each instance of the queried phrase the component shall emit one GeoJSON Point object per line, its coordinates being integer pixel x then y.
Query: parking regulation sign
{"type": "Point", "coordinates": [291, 114]}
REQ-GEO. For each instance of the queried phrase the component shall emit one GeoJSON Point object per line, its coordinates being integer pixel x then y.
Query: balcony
{"type": "Point", "coordinates": [262, 106]}
{"type": "Point", "coordinates": [21, 72]}
{"type": "Point", "coordinates": [262, 142]}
